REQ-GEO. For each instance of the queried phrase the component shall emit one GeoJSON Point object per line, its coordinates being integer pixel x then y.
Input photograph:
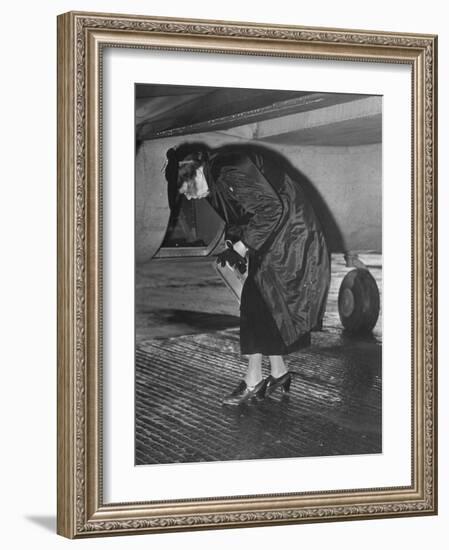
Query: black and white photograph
{"type": "Point", "coordinates": [258, 274]}
{"type": "Point", "coordinates": [223, 237]}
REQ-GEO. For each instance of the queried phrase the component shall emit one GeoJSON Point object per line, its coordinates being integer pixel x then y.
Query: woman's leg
{"type": "Point", "coordinates": [278, 367]}
{"type": "Point", "coordinates": [254, 373]}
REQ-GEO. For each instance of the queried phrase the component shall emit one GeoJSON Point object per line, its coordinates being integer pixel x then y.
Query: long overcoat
{"type": "Point", "coordinates": [267, 209]}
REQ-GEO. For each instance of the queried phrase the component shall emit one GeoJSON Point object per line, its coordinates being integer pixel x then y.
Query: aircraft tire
{"type": "Point", "coordinates": [358, 301]}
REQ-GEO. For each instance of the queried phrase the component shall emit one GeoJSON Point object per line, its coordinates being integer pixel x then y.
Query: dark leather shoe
{"type": "Point", "coordinates": [282, 382]}
{"type": "Point", "coordinates": [244, 393]}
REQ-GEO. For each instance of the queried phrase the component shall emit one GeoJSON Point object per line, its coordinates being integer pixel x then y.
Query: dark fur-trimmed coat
{"type": "Point", "coordinates": [263, 206]}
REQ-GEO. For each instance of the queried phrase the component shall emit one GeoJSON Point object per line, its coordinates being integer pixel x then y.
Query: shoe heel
{"type": "Point", "coordinates": [286, 385]}
{"type": "Point", "coordinates": [259, 395]}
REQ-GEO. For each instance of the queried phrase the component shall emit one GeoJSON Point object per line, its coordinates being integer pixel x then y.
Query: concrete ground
{"type": "Point", "coordinates": [187, 359]}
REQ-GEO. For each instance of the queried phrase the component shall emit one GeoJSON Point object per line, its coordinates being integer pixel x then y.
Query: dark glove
{"type": "Point", "coordinates": [233, 258]}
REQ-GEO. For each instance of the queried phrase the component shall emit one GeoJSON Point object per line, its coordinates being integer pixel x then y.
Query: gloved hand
{"type": "Point", "coordinates": [233, 258]}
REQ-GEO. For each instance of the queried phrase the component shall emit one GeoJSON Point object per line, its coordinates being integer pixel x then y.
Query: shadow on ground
{"type": "Point", "coordinates": [46, 522]}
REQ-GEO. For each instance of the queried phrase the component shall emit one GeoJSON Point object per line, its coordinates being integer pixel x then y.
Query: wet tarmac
{"type": "Point", "coordinates": [187, 359]}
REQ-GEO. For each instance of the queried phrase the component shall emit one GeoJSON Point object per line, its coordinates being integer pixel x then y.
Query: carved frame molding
{"type": "Point", "coordinates": [81, 38]}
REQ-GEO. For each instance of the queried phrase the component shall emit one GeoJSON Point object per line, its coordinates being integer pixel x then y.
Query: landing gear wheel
{"type": "Point", "coordinates": [358, 301]}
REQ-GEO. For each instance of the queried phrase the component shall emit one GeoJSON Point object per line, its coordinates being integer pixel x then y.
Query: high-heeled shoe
{"type": "Point", "coordinates": [282, 382]}
{"type": "Point", "coordinates": [244, 393]}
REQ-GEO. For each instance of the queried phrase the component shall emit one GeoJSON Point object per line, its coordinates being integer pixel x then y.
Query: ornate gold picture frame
{"type": "Point", "coordinates": [82, 509]}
